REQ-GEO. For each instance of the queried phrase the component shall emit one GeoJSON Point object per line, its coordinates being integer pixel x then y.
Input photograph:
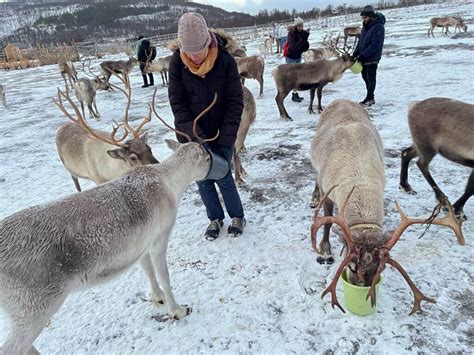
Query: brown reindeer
{"type": "Point", "coordinates": [308, 76]}
{"type": "Point", "coordinates": [445, 23]}
{"type": "Point", "coordinates": [440, 126]}
{"type": "Point", "coordinates": [251, 68]}
{"type": "Point", "coordinates": [248, 118]}
{"type": "Point", "coordinates": [67, 70]}
{"type": "Point", "coordinates": [121, 67]}
{"type": "Point", "coordinates": [352, 31]}
{"type": "Point", "coordinates": [95, 155]}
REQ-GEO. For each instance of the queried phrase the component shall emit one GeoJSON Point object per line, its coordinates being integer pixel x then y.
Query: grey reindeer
{"type": "Point", "coordinates": [51, 250]}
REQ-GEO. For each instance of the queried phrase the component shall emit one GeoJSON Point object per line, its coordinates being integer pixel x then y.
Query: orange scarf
{"type": "Point", "coordinates": [206, 66]}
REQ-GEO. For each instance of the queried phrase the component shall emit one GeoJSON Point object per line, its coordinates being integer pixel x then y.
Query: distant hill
{"type": "Point", "coordinates": [49, 21]}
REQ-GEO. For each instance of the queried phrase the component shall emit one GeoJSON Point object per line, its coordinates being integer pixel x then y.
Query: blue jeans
{"type": "Point", "coordinates": [292, 61]}
{"type": "Point", "coordinates": [208, 192]}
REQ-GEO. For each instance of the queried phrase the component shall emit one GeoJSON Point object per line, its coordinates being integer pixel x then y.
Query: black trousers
{"type": "Point", "coordinates": [150, 75]}
{"type": "Point", "coordinates": [369, 74]}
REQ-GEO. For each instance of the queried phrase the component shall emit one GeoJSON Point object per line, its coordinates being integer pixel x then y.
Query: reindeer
{"type": "Point", "coordinates": [118, 67]}
{"type": "Point", "coordinates": [252, 68]}
{"type": "Point", "coordinates": [308, 76]}
{"type": "Point", "coordinates": [440, 126]}
{"type": "Point", "coordinates": [85, 239]}
{"type": "Point", "coordinates": [66, 68]}
{"type": "Point", "coordinates": [266, 47]}
{"type": "Point", "coordinates": [347, 154]}
{"type": "Point", "coordinates": [2, 95]}
{"type": "Point", "coordinates": [352, 31]}
{"type": "Point", "coordinates": [85, 90]}
{"type": "Point", "coordinates": [239, 52]}
{"type": "Point", "coordinates": [314, 54]}
{"type": "Point", "coordinates": [445, 23]}
{"type": "Point", "coordinates": [161, 65]}
{"type": "Point", "coordinates": [248, 118]}
{"type": "Point", "coordinates": [94, 155]}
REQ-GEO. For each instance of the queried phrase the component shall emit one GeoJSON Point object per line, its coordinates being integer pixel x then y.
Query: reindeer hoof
{"type": "Point", "coordinates": [325, 260]}
{"type": "Point", "coordinates": [311, 111]}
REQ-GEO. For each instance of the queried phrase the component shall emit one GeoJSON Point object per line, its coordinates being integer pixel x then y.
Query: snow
{"type": "Point", "coordinates": [260, 293]}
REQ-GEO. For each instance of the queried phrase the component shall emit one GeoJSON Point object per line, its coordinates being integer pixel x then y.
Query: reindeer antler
{"type": "Point", "coordinates": [198, 117]}
{"type": "Point", "coordinates": [128, 94]}
{"type": "Point", "coordinates": [448, 221]}
{"type": "Point", "coordinates": [340, 220]}
{"type": "Point", "coordinates": [79, 119]}
{"type": "Point", "coordinates": [334, 44]}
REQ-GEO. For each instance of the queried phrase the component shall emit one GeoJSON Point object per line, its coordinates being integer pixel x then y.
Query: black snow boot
{"type": "Point", "coordinates": [152, 79]}
{"type": "Point", "coordinates": [295, 97]}
{"type": "Point", "coordinates": [145, 81]}
{"type": "Point", "coordinates": [213, 230]}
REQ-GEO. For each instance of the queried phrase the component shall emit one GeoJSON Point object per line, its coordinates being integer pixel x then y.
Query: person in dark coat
{"type": "Point", "coordinates": [369, 50]}
{"type": "Point", "coordinates": [144, 57]}
{"type": "Point", "coordinates": [297, 44]}
{"type": "Point", "coordinates": [199, 68]}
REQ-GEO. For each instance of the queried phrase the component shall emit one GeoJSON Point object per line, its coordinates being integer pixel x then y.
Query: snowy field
{"type": "Point", "coordinates": [261, 293]}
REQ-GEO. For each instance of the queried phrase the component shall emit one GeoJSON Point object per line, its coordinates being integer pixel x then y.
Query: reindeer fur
{"type": "Point", "coordinates": [252, 68]}
{"type": "Point", "coordinates": [88, 238]}
{"type": "Point", "coordinates": [308, 76]}
{"type": "Point", "coordinates": [92, 159]}
{"type": "Point", "coordinates": [347, 151]}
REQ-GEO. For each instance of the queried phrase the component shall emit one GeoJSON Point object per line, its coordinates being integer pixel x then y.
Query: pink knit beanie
{"type": "Point", "coordinates": [193, 33]}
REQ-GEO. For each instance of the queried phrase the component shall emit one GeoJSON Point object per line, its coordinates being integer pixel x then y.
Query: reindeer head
{"type": "Point", "coordinates": [135, 151]}
{"type": "Point", "coordinates": [365, 258]}
{"type": "Point", "coordinates": [211, 166]}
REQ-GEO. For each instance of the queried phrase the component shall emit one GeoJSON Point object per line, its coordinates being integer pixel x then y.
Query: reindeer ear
{"type": "Point", "coordinates": [173, 145]}
{"type": "Point", "coordinates": [144, 137]}
{"type": "Point", "coordinates": [119, 153]}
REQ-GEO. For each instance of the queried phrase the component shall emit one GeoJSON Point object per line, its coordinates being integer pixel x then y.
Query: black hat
{"type": "Point", "coordinates": [140, 37]}
{"type": "Point", "coordinates": [368, 11]}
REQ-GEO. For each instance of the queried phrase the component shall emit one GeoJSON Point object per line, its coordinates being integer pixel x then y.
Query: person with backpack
{"type": "Point", "coordinates": [296, 44]}
{"type": "Point", "coordinates": [201, 66]}
{"type": "Point", "coordinates": [145, 54]}
{"type": "Point", "coordinates": [369, 50]}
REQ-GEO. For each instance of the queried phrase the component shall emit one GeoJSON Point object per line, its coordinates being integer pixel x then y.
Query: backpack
{"type": "Point", "coordinates": [285, 48]}
{"type": "Point", "coordinates": [152, 52]}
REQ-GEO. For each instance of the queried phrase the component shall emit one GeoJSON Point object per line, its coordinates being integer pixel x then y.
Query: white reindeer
{"type": "Point", "coordinates": [266, 47]}
{"type": "Point", "coordinates": [347, 154]}
{"type": "Point", "coordinates": [85, 239]}
{"type": "Point", "coordinates": [85, 90]}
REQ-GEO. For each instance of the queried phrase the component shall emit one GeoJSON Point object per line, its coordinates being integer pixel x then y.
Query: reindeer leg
{"type": "Point", "coordinates": [311, 99]}
{"type": "Point", "coordinates": [260, 81]}
{"type": "Point", "coordinates": [157, 295]}
{"type": "Point", "coordinates": [315, 196]}
{"type": "Point", "coordinates": [407, 155]}
{"type": "Point", "coordinates": [279, 100]}
{"type": "Point", "coordinates": [468, 192]}
{"type": "Point", "coordinates": [423, 162]}
{"type": "Point", "coordinates": [320, 93]}
{"type": "Point", "coordinates": [29, 323]}
{"type": "Point", "coordinates": [325, 246]}
{"type": "Point", "coordinates": [237, 168]}
{"type": "Point", "coordinates": [96, 113]}
{"type": "Point", "coordinates": [158, 254]}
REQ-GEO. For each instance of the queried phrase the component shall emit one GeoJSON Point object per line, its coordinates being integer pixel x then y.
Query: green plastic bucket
{"type": "Point", "coordinates": [355, 297]}
{"type": "Point", "coordinates": [356, 68]}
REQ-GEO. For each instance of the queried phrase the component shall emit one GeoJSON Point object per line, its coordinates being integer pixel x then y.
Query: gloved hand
{"type": "Point", "coordinates": [360, 58]}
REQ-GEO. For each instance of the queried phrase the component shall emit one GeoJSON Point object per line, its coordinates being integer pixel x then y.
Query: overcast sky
{"type": "Point", "coordinates": [253, 6]}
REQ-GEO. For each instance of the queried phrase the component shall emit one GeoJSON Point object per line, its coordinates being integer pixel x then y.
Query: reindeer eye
{"type": "Point", "coordinates": [133, 157]}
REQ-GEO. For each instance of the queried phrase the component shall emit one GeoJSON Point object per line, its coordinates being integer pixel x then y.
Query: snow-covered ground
{"type": "Point", "coordinates": [261, 293]}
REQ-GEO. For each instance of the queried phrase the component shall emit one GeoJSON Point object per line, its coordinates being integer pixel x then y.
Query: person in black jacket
{"type": "Point", "coordinates": [369, 50]}
{"type": "Point", "coordinates": [297, 44]}
{"type": "Point", "coordinates": [199, 68]}
{"type": "Point", "coordinates": [144, 57]}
